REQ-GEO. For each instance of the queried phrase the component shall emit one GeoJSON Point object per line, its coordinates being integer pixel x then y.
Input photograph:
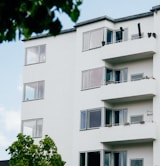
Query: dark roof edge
{"type": "Point", "coordinates": [155, 8]}
{"type": "Point", "coordinates": [136, 16]}
{"type": "Point", "coordinates": [132, 17]}
{"type": "Point", "coordinates": [93, 21]}
{"type": "Point", "coordinates": [49, 35]}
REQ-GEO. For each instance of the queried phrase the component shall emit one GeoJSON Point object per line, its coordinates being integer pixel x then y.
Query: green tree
{"type": "Point", "coordinates": [24, 152]}
{"type": "Point", "coordinates": [26, 17]}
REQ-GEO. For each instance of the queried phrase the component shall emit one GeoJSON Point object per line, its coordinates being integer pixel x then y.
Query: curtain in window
{"type": "Point", "coordinates": [86, 41]}
{"type": "Point", "coordinates": [96, 38]}
{"type": "Point", "coordinates": [92, 78]}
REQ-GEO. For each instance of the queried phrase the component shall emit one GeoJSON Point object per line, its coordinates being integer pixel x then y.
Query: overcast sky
{"type": "Point", "coordinates": [12, 62]}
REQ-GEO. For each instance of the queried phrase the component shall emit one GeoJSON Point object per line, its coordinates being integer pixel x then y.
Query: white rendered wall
{"type": "Point", "coordinates": [56, 108]}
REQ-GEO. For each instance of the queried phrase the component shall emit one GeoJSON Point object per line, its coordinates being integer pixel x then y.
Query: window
{"type": "Point", "coordinates": [92, 158]}
{"type": "Point", "coordinates": [135, 77]}
{"type": "Point", "coordinates": [121, 75]}
{"type": "Point", "coordinates": [136, 119]}
{"type": "Point", "coordinates": [33, 91]}
{"type": "Point", "coordinates": [32, 127]}
{"type": "Point", "coordinates": [35, 54]}
{"type": "Point", "coordinates": [108, 117]}
{"type": "Point", "coordinates": [119, 158]}
{"type": "Point", "coordinates": [109, 36]}
{"type": "Point", "coordinates": [115, 117]}
{"type": "Point", "coordinates": [121, 35]}
{"type": "Point", "coordinates": [137, 162]}
{"type": "Point", "coordinates": [117, 75]}
{"type": "Point", "coordinates": [92, 39]}
{"type": "Point", "coordinates": [90, 119]}
{"type": "Point", "coordinates": [92, 78]}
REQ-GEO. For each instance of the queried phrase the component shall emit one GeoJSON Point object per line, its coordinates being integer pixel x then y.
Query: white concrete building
{"type": "Point", "coordinates": [95, 89]}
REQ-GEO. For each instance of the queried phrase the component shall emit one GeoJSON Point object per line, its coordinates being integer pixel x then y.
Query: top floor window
{"type": "Point", "coordinates": [101, 36]}
{"type": "Point", "coordinates": [35, 54]}
{"type": "Point", "coordinates": [92, 39]}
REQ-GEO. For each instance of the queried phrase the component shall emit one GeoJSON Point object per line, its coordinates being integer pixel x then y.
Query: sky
{"type": "Point", "coordinates": [12, 62]}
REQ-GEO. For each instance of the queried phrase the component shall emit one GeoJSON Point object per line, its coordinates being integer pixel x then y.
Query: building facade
{"type": "Point", "coordinates": [95, 89]}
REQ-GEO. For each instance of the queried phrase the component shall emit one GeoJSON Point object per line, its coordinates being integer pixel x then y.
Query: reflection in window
{"type": "Point", "coordinates": [35, 54]}
{"type": "Point", "coordinates": [90, 119]}
{"type": "Point", "coordinates": [32, 127]}
{"type": "Point", "coordinates": [33, 91]}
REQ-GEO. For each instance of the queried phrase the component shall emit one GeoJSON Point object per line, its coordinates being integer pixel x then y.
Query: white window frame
{"type": "Point", "coordinates": [35, 131]}
{"type": "Point", "coordinates": [87, 118]}
{"type": "Point", "coordinates": [87, 84]}
{"type": "Point", "coordinates": [87, 39]}
{"type": "Point", "coordinates": [140, 75]}
{"type": "Point", "coordinates": [37, 95]}
{"type": "Point", "coordinates": [113, 75]}
{"type": "Point", "coordinates": [40, 58]}
{"type": "Point", "coordinates": [136, 121]}
{"type": "Point", "coordinates": [139, 159]}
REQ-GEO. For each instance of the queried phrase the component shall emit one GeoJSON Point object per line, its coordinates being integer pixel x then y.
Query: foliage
{"type": "Point", "coordinates": [34, 16]}
{"type": "Point", "coordinates": [25, 153]}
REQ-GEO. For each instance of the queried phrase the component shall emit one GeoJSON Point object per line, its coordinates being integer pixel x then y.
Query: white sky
{"type": "Point", "coordinates": [12, 61]}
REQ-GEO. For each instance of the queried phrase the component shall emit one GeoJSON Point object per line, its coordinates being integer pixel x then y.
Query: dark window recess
{"type": "Point", "coordinates": [93, 159]}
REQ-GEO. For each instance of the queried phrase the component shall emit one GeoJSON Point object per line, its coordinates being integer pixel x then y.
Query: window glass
{"type": "Point", "coordinates": [32, 127]}
{"type": "Point", "coordinates": [86, 41]}
{"type": "Point", "coordinates": [118, 36]}
{"type": "Point", "coordinates": [108, 117]}
{"type": "Point", "coordinates": [109, 75]}
{"type": "Point", "coordinates": [90, 119]}
{"type": "Point", "coordinates": [93, 159]}
{"type": "Point", "coordinates": [120, 158]}
{"type": "Point", "coordinates": [33, 91]}
{"type": "Point", "coordinates": [82, 159]}
{"type": "Point", "coordinates": [96, 38]}
{"type": "Point", "coordinates": [119, 116]}
{"type": "Point", "coordinates": [35, 54]}
{"type": "Point", "coordinates": [136, 119]}
{"type": "Point", "coordinates": [94, 118]}
{"type": "Point", "coordinates": [109, 36]}
{"type": "Point", "coordinates": [93, 39]}
{"type": "Point", "coordinates": [92, 78]}
{"type": "Point", "coordinates": [83, 120]}
{"type": "Point", "coordinates": [137, 162]}
{"type": "Point", "coordinates": [107, 159]}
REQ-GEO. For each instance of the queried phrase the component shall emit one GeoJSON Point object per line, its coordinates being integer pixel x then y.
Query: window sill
{"type": "Point", "coordinates": [32, 100]}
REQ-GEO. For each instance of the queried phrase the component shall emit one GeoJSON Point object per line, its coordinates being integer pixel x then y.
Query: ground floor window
{"type": "Point", "coordinates": [90, 158]}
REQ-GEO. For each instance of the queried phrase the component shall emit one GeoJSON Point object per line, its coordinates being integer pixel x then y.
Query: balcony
{"type": "Point", "coordinates": [129, 91]}
{"type": "Point", "coordinates": [128, 51]}
{"type": "Point", "coordinates": [132, 133]}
